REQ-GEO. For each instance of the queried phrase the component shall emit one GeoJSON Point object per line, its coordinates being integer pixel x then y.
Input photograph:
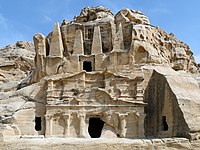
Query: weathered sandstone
{"type": "Point", "coordinates": [101, 76]}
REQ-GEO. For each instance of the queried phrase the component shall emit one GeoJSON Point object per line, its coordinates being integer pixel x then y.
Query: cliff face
{"type": "Point", "coordinates": [103, 52]}
{"type": "Point", "coordinates": [16, 61]}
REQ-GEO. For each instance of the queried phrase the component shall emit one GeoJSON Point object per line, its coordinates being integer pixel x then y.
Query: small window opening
{"type": "Point", "coordinates": [164, 123]}
{"type": "Point", "coordinates": [87, 66]}
{"type": "Point", "coordinates": [95, 127]}
{"type": "Point", "coordinates": [38, 125]}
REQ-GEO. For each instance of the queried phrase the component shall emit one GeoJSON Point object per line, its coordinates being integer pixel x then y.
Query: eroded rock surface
{"type": "Point", "coordinates": [16, 61]}
{"type": "Point", "coordinates": [101, 75]}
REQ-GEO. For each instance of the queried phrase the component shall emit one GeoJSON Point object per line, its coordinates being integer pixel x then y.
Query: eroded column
{"type": "Point", "coordinates": [123, 123]}
{"type": "Point", "coordinates": [49, 120]}
{"type": "Point", "coordinates": [50, 92]}
{"type": "Point", "coordinates": [67, 120]}
{"type": "Point", "coordinates": [140, 124]}
{"type": "Point", "coordinates": [82, 129]}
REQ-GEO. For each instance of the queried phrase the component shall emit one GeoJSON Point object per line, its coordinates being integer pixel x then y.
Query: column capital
{"type": "Point", "coordinates": [123, 114]}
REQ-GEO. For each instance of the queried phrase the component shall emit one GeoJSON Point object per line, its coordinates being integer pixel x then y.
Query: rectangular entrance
{"type": "Point", "coordinates": [95, 127]}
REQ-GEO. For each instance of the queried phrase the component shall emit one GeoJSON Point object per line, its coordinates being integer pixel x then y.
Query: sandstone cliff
{"type": "Point", "coordinates": [147, 66]}
{"type": "Point", "coordinates": [16, 61]}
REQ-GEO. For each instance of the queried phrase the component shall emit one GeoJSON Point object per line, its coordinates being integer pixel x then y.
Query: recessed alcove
{"type": "Point", "coordinates": [87, 63]}
{"type": "Point", "coordinates": [164, 123]}
{"type": "Point", "coordinates": [87, 66]}
{"type": "Point", "coordinates": [95, 127]}
{"type": "Point", "coordinates": [38, 125]}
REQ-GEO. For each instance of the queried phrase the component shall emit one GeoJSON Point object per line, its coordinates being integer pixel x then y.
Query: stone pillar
{"type": "Point", "coordinates": [113, 31]}
{"type": "Point", "coordinates": [97, 43]}
{"type": "Point", "coordinates": [56, 45]}
{"type": "Point", "coordinates": [78, 43]}
{"type": "Point", "coordinates": [97, 49]}
{"type": "Point", "coordinates": [140, 125]}
{"type": "Point", "coordinates": [40, 56]}
{"type": "Point", "coordinates": [55, 59]}
{"type": "Point", "coordinates": [49, 121]}
{"type": "Point", "coordinates": [67, 120]}
{"type": "Point", "coordinates": [50, 92]}
{"type": "Point", "coordinates": [118, 45]}
{"type": "Point", "coordinates": [82, 129]}
{"type": "Point", "coordinates": [50, 85]}
{"type": "Point", "coordinates": [40, 45]}
{"type": "Point", "coordinates": [119, 40]}
{"type": "Point", "coordinates": [82, 124]}
{"type": "Point", "coordinates": [113, 59]}
{"type": "Point", "coordinates": [123, 123]}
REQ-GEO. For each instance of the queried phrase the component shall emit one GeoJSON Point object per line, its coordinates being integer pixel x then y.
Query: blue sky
{"type": "Point", "coordinates": [21, 19]}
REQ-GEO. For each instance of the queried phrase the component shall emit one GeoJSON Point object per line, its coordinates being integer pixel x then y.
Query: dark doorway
{"type": "Point", "coordinates": [87, 66]}
{"type": "Point", "coordinates": [164, 123]}
{"type": "Point", "coordinates": [38, 126]}
{"type": "Point", "coordinates": [95, 127]}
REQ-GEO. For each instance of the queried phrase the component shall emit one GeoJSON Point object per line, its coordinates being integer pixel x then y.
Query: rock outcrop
{"type": "Point", "coordinates": [16, 61]}
{"type": "Point", "coordinates": [93, 14]}
{"type": "Point", "coordinates": [115, 73]}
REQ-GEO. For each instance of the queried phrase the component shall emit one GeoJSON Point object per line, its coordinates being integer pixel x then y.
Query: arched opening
{"type": "Point", "coordinates": [87, 66]}
{"type": "Point", "coordinates": [95, 127]}
{"type": "Point", "coordinates": [38, 125]}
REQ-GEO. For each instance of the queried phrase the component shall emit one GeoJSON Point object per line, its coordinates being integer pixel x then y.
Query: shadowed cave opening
{"type": "Point", "coordinates": [164, 123]}
{"type": "Point", "coordinates": [87, 66]}
{"type": "Point", "coordinates": [95, 127]}
{"type": "Point", "coordinates": [38, 125]}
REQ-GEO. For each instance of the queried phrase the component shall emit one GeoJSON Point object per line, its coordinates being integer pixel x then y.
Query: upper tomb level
{"type": "Point", "coordinates": [97, 40]}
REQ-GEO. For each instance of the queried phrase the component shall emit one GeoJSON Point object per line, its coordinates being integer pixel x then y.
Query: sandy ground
{"type": "Point", "coordinates": [30, 143]}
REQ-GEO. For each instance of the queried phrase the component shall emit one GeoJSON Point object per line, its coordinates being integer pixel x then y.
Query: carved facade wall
{"type": "Point", "coordinates": [90, 73]}
{"type": "Point", "coordinates": [115, 100]}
